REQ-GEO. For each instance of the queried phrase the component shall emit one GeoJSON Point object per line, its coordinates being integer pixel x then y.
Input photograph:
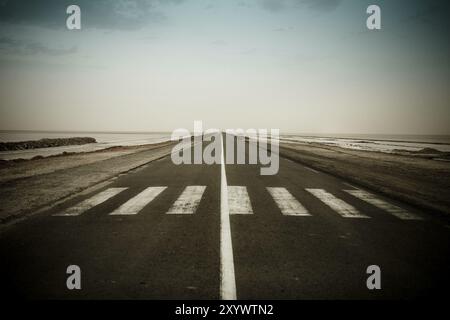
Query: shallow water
{"type": "Point", "coordinates": [380, 143]}
{"type": "Point", "coordinates": [104, 140]}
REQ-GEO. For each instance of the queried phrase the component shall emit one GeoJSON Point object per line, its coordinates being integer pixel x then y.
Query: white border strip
{"type": "Point", "coordinates": [227, 277]}
{"type": "Point", "coordinates": [311, 169]}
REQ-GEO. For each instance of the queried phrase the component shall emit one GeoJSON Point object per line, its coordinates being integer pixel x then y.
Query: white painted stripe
{"type": "Point", "coordinates": [338, 205]}
{"type": "Point", "coordinates": [91, 202]}
{"type": "Point", "coordinates": [390, 208]}
{"type": "Point", "coordinates": [227, 276]}
{"type": "Point", "coordinates": [188, 201]}
{"type": "Point", "coordinates": [311, 169]}
{"type": "Point", "coordinates": [350, 185]}
{"type": "Point", "coordinates": [238, 200]}
{"type": "Point", "coordinates": [288, 205]}
{"type": "Point", "coordinates": [138, 202]}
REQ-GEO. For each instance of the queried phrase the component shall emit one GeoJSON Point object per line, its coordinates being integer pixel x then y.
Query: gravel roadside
{"type": "Point", "coordinates": [31, 185]}
{"type": "Point", "coordinates": [424, 183]}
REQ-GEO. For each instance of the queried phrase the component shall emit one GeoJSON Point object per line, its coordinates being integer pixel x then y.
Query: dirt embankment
{"type": "Point", "coordinates": [45, 143]}
{"type": "Point", "coordinates": [30, 185]}
{"type": "Point", "coordinates": [420, 181]}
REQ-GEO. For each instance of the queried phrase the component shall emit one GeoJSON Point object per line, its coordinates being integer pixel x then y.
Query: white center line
{"type": "Point", "coordinates": [227, 277]}
{"type": "Point", "coordinates": [287, 203]}
{"type": "Point", "coordinates": [138, 202]}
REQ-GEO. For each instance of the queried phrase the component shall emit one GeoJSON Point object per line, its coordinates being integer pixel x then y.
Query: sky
{"type": "Point", "coordinates": [301, 66]}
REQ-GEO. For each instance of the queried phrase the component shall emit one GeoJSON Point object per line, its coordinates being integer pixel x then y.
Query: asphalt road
{"type": "Point", "coordinates": [166, 243]}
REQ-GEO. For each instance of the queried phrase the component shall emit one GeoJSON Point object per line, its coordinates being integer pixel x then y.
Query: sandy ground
{"type": "Point", "coordinates": [15, 169]}
{"type": "Point", "coordinates": [27, 186]}
{"type": "Point", "coordinates": [422, 182]}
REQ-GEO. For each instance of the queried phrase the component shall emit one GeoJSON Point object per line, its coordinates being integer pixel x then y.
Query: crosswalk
{"type": "Point", "coordinates": [188, 201]}
{"type": "Point", "coordinates": [137, 203]}
{"type": "Point", "coordinates": [239, 202]}
{"type": "Point", "coordinates": [288, 205]}
{"type": "Point", "coordinates": [383, 205]}
{"type": "Point", "coordinates": [341, 207]}
{"type": "Point", "coordinates": [91, 202]}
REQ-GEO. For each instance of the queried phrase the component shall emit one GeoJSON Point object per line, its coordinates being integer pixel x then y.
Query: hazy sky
{"type": "Point", "coordinates": [298, 65]}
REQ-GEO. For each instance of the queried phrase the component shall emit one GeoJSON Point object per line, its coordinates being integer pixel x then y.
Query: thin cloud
{"type": "Point", "coordinates": [322, 5]}
{"type": "Point", "coordinates": [14, 46]}
{"type": "Point", "coordinates": [273, 5]}
{"type": "Point", "coordinates": [281, 29]}
{"type": "Point", "coordinates": [434, 13]}
{"type": "Point", "coordinates": [102, 14]}
{"type": "Point", "coordinates": [243, 4]}
{"type": "Point", "coordinates": [219, 43]}
{"type": "Point", "coordinates": [317, 5]}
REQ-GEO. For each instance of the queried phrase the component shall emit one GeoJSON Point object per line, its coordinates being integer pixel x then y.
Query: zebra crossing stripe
{"type": "Point", "coordinates": [138, 202]}
{"type": "Point", "coordinates": [287, 203]}
{"type": "Point", "coordinates": [91, 202]}
{"type": "Point", "coordinates": [381, 204]}
{"type": "Point", "coordinates": [238, 200]}
{"type": "Point", "coordinates": [188, 201]}
{"type": "Point", "coordinates": [341, 207]}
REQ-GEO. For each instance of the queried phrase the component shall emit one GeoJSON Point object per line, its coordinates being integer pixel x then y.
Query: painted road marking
{"type": "Point", "coordinates": [227, 276]}
{"type": "Point", "coordinates": [188, 201]}
{"type": "Point", "coordinates": [338, 205]}
{"type": "Point", "coordinates": [390, 208]}
{"type": "Point", "coordinates": [238, 200]}
{"type": "Point", "coordinates": [350, 185]}
{"type": "Point", "coordinates": [311, 169]}
{"type": "Point", "coordinates": [91, 202]}
{"type": "Point", "coordinates": [288, 205]}
{"type": "Point", "coordinates": [138, 202]}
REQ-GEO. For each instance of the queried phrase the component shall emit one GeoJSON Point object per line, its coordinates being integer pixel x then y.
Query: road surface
{"type": "Point", "coordinates": [163, 232]}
